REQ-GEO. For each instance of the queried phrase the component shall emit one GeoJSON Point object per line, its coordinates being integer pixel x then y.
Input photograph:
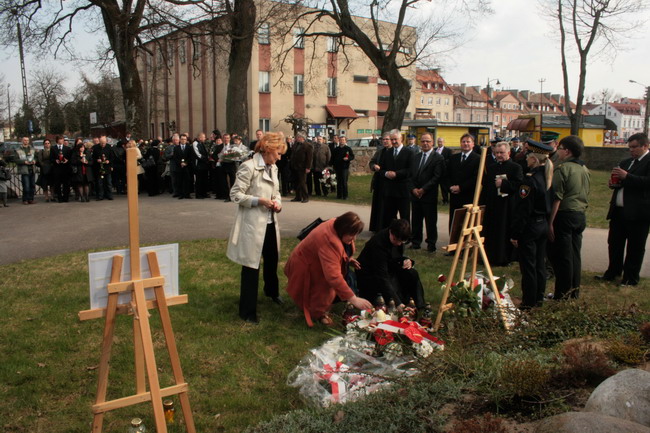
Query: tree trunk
{"type": "Point", "coordinates": [122, 40]}
{"type": "Point", "coordinates": [241, 46]}
{"type": "Point", "coordinates": [400, 94]}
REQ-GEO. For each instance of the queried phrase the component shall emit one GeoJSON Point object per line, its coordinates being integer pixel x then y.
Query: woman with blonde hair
{"type": "Point", "coordinates": [255, 234]}
{"type": "Point", "coordinates": [530, 223]}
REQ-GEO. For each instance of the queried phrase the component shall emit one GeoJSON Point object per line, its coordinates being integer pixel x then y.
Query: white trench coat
{"type": "Point", "coordinates": [247, 233]}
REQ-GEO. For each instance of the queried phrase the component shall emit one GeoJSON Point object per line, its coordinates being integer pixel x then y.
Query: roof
{"type": "Point", "coordinates": [341, 111]}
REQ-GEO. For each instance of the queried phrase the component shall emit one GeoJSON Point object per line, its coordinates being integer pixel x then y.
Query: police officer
{"type": "Point", "coordinates": [530, 223]}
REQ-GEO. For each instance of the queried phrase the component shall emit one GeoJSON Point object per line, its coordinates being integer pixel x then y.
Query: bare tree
{"type": "Point", "coordinates": [591, 25]}
{"type": "Point", "coordinates": [386, 39]}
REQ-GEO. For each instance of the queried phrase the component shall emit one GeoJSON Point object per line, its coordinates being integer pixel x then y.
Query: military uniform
{"type": "Point", "coordinates": [530, 228]}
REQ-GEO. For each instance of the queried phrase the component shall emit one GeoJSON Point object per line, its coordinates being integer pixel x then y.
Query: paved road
{"type": "Point", "coordinates": [47, 229]}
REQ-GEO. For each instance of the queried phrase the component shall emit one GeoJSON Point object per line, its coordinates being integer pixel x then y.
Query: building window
{"type": "Point", "coordinates": [446, 101]}
{"type": "Point", "coordinates": [496, 118]}
{"type": "Point", "coordinates": [428, 85]}
{"type": "Point", "coordinates": [265, 125]}
{"type": "Point", "coordinates": [438, 115]}
{"type": "Point", "coordinates": [332, 44]}
{"type": "Point", "coordinates": [196, 50]}
{"type": "Point", "coordinates": [381, 113]}
{"type": "Point", "coordinates": [298, 38]}
{"type": "Point", "coordinates": [361, 113]}
{"type": "Point", "coordinates": [458, 118]}
{"type": "Point", "coordinates": [430, 100]}
{"type": "Point", "coordinates": [182, 52]}
{"type": "Point", "coordinates": [170, 54]}
{"type": "Point", "coordinates": [331, 87]}
{"type": "Point", "coordinates": [381, 81]}
{"type": "Point", "coordinates": [438, 101]}
{"type": "Point", "coordinates": [264, 82]}
{"type": "Point", "coordinates": [444, 87]}
{"type": "Point", "coordinates": [298, 84]}
{"type": "Point", "coordinates": [435, 86]}
{"type": "Point", "coordinates": [360, 79]}
{"type": "Point", "coordinates": [422, 100]}
{"type": "Point", "coordinates": [446, 116]}
{"type": "Point", "coordinates": [264, 34]}
{"type": "Point", "coordinates": [407, 115]}
{"type": "Point", "coordinates": [383, 98]}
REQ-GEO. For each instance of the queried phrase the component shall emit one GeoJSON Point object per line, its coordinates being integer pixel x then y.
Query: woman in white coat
{"type": "Point", "coordinates": [255, 235]}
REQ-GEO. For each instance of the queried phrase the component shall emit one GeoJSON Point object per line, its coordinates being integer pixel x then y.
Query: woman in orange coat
{"type": "Point", "coordinates": [317, 266]}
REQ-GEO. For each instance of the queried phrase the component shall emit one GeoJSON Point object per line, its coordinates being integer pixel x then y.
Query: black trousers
{"type": "Point", "coordinates": [565, 253]}
{"type": "Point", "coordinates": [301, 185]}
{"type": "Point", "coordinates": [532, 255]}
{"type": "Point", "coordinates": [427, 211]}
{"type": "Point", "coordinates": [62, 186]}
{"type": "Point", "coordinates": [626, 244]}
{"type": "Point", "coordinates": [342, 176]}
{"type": "Point", "coordinates": [250, 276]}
{"type": "Point", "coordinates": [201, 185]}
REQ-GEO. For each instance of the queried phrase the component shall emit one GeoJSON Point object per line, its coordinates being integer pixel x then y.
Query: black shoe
{"type": "Point", "coordinates": [604, 278]}
{"type": "Point", "coordinates": [414, 247]}
{"type": "Point", "coordinates": [431, 249]}
{"type": "Point", "coordinates": [227, 200]}
{"type": "Point", "coordinates": [109, 198]}
{"type": "Point", "coordinates": [629, 283]}
{"type": "Point", "coordinates": [305, 201]}
{"type": "Point", "coordinates": [295, 199]}
{"type": "Point", "coordinates": [278, 300]}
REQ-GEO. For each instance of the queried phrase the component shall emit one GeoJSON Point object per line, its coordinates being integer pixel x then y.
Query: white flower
{"type": "Point", "coordinates": [423, 349]}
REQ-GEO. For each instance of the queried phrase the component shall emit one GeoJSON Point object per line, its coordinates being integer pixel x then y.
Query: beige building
{"type": "Point", "coordinates": [434, 99]}
{"type": "Point", "coordinates": [328, 80]}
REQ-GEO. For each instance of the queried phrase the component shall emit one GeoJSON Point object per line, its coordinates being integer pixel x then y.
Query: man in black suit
{"type": "Point", "coordinates": [395, 172]}
{"type": "Point", "coordinates": [427, 168]}
{"type": "Point", "coordinates": [629, 213]}
{"type": "Point", "coordinates": [103, 158]}
{"type": "Point", "coordinates": [301, 161]}
{"type": "Point", "coordinates": [461, 175]}
{"type": "Point", "coordinates": [201, 165]}
{"type": "Point", "coordinates": [446, 153]}
{"type": "Point", "coordinates": [182, 160]}
{"type": "Point", "coordinates": [60, 159]}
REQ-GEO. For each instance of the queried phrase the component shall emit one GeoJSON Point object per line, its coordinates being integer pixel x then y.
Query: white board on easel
{"type": "Point", "coordinates": [99, 272]}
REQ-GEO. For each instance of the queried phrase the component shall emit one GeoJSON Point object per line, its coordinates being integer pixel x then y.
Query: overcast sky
{"type": "Point", "coordinates": [514, 44]}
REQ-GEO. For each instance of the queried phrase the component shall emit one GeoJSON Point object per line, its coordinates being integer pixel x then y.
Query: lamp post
{"type": "Point", "coordinates": [9, 107]}
{"type": "Point", "coordinates": [487, 103]}
{"type": "Point", "coordinates": [646, 118]}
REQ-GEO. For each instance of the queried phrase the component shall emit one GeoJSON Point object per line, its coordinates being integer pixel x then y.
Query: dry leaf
{"type": "Point", "coordinates": [339, 416]}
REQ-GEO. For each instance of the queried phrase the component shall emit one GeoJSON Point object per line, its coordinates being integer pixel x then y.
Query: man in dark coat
{"type": "Point", "coordinates": [341, 157]}
{"type": "Point", "coordinates": [461, 175]}
{"type": "Point", "coordinates": [103, 157]}
{"type": "Point", "coordinates": [201, 165]}
{"type": "Point", "coordinates": [446, 153]}
{"type": "Point", "coordinates": [427, 168]}
{"type": "Point", "coordinates": [629, 213]}
{"type": "Point", "coordinates": [377, 184]}
{"type": "Point", "coordinates": [395, 173]}
{"type": "Point", "coordinates": [301, 159]}
{"type": "Point", "coordinates": [60, 155]}
{"type": "Point", "coordinates": [386, 271]}
{"type": "Point", "coordinates": [182, 160]}
{"type": "Point", "coordinates": [500, 184]}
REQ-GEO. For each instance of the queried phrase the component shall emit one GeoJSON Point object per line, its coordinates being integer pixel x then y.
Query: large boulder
{"type": "Point", "coordinates": [625, 395]}
{"type": "Point", "coordinates": [585, 422]}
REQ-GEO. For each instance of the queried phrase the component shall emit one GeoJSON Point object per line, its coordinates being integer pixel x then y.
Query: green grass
{"type": "Point", "coordinates": [236, 372]}
{"type": "Point", "coordinates": [359, 193]}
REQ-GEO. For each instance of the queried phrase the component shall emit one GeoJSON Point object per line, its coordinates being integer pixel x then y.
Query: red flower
{"type": "Point", "coordinates": [383, 337]}
{"type": "Point", "coordinates": [442, 278]}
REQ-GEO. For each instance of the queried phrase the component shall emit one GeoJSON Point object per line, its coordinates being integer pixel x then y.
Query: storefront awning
{"type": "Point", "coordinates": [341, 111]}
{"type": "Point", "coordinates": [521, 125]}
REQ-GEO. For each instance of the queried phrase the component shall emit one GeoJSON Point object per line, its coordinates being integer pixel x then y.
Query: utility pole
{"type": "Point", "coordinates": [541, 91]}
{"type": "Point", "coordinates": [487, 104]}
{"type": "Point", "coordinates": [9, 107]}
{"type": "Point", "coordinates": [646, 117]}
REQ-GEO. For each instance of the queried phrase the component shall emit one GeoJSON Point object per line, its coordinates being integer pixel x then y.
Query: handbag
{"type": "Point", "coordinates": [308, 229]}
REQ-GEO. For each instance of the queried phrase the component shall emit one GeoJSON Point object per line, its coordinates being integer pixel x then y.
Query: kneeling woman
{"type": "Point", "coordinates": [317, 267]}
{"type": "Point", "coordinates": [255, 234]}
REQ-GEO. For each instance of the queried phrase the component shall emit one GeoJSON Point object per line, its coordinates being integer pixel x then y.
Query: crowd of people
{"type": "Point", "coordinates": [534, 194]}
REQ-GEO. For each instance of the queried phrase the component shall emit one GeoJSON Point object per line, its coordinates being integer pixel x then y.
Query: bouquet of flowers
{"type": "Point", "coordinates": [328, 179]}
{"type": "Point", "coordinates": [233, 154]}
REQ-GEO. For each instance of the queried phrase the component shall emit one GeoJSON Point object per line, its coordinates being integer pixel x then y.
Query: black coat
{"type": "Point", "coordinates": [64, 155]}
{"type": "Point", "coordinates": [179, 155]}
{"type": "Point", "coordinates": [428, 177]}
{"type": "Point", "coordinates": [399, 186]}
{"type": "Point", "coordinates": [636, 191]}
{"type": "Point", "coordinates": [464, 175]}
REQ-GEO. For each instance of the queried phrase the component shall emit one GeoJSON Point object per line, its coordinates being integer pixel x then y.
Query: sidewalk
{"type": "Point", "coordinates": [48, 229]}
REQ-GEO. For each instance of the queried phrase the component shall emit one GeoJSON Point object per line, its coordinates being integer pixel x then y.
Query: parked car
{"type": "Point", "coordinates": [359, 142]}
{"type": "Point", "coordinates": [7, 150]}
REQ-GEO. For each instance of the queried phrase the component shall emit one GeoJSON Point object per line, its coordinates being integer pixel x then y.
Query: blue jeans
{"type": "Point", "coordinates": [29, 186]}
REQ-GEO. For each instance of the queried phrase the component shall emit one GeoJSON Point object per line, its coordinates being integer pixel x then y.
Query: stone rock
{"type": "Point", "coordinates": [625, 395]}
{"type": "Point", "coordinates": [586, 422]}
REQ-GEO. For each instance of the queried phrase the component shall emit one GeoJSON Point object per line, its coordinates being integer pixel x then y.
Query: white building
{"type": "Point", "coordinates": [627, 117]}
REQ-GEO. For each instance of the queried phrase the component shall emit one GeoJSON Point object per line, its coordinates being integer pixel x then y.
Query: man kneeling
{"type": "Point", "coordinates": [386, 271]}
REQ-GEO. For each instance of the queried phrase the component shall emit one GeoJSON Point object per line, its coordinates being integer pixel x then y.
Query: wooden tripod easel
{"type": "Point", "coordinates": [145, 361]}
{"type": "Point", "coordinates": [470, 244]}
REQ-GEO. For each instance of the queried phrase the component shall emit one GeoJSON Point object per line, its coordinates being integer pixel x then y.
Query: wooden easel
{"type": "Point", "coordinates": [470, 243]}
{"type": "Point", "coordinates": [145, 361]}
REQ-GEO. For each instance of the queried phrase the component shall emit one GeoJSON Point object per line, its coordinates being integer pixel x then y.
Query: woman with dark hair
{"type": "Point", "coordinates": [45, 180]}
{"type": "Point", "coordinates": [317, 268]}
{"type": "Point", "coordinates": [82, 174]}
{"type": "Point", "coordinates": [255, 235]}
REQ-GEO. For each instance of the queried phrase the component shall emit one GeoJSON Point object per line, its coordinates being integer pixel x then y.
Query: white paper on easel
{"type": "Point", "coordinates": [99, 272]}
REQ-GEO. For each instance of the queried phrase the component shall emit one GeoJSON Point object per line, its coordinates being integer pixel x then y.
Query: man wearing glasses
{"type": "Point", "coordinates": [395, 173]}
{"type": "Point", "coordinates": [629, 213]}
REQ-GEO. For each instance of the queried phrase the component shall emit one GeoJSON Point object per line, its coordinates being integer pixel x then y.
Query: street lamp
{"type": "Point", "coordinates": [9, 107]}
{"type": "Point", "coordinates": [646, 118]}
{"type": "Point", "coordinates": [487, 103]}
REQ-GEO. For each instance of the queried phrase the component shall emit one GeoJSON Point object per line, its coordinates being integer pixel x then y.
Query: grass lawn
{"type": "Point", "coordinates": [237, 372]}
{"type": "Point", "coordinates": [600, 194]}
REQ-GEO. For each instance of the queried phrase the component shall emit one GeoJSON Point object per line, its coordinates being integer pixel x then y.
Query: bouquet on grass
{"type": "Point", "coordinates": [328, 179]}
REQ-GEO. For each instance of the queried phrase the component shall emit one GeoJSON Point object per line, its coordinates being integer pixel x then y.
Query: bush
{"type": "Point", "coordinates": [584, 362]}
{"type": "Point", "coordinates": [484, 424]}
